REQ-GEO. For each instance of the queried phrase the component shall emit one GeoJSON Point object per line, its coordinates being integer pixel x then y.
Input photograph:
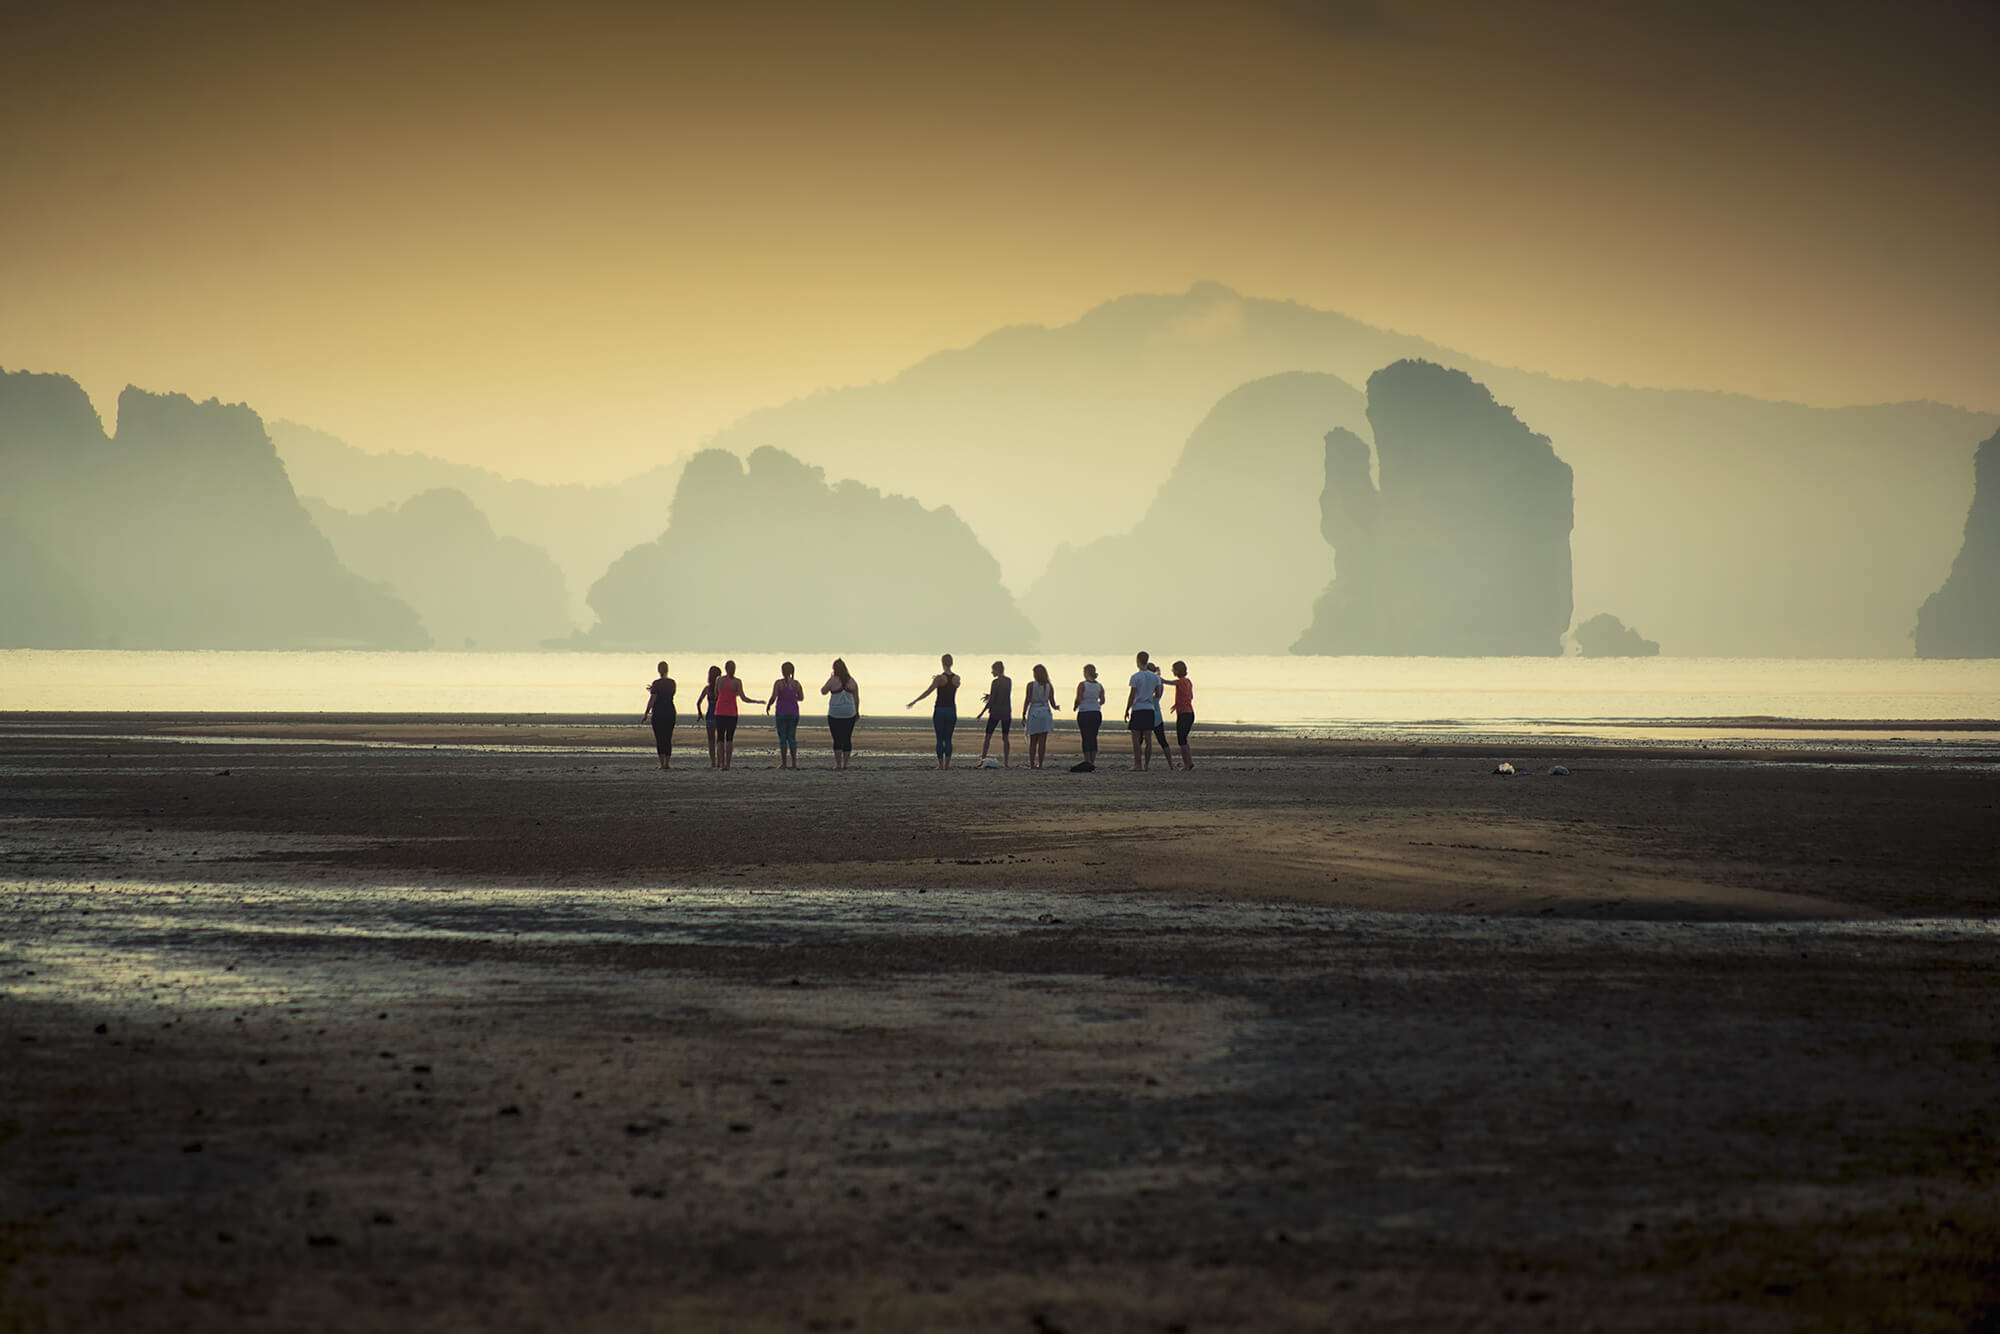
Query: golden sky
{"type": "Point", "coordinates": [561, 241]}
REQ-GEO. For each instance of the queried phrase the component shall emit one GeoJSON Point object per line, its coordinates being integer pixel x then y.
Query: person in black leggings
{"type": "Point", "coordinates": [944, 715]}
{"type": "Point", "coordinates": [660, 708]}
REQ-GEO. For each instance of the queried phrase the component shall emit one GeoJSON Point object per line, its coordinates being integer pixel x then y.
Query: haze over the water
{"type": "Point", "coordinates": [565, 243]}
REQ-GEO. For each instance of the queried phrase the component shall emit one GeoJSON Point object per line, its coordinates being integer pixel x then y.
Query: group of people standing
{"type": "Point", "coordinates": [718, 708]}
{"type": "Point", "coordinates": [1146, 706]}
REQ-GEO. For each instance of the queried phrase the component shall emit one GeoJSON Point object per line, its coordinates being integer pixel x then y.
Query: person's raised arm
{"type": "Point", "coordinates": [744, 695]}
{"type": "Point", "coordinates": [832, 683]}
{"type": "Point", "coordinates": [927, 690]}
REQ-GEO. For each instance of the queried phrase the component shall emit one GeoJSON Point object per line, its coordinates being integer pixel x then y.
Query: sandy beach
{"type": "Point", "coordinates": [392, 1023]}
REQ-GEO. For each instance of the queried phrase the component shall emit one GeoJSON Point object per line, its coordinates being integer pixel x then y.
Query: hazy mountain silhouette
{"type": "Point", "coordinates": [1962, 619]}
{"type": "Point", "coordinates": [583, 528]}
{"type": "Point", "coordinates": [1605, 636]}
{"type": "Point", "coordinates": [1726, 525]}
{"type": "Point", "coordinates": [1463, 548]}
{"type": "Point", "coordinates": [769, 557]}
{"type": "Point", "coordinates": [436, 551]}
{"type": "Point", "coordinates": [179, 531]}
{"type": "Point", "coordinates": [1228, 557]}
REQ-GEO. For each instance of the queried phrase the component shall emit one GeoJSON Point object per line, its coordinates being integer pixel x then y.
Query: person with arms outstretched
{"type": "Point", "coordinates": [944, 714]}
{"type": "Point", "coordinates": [728, 692]}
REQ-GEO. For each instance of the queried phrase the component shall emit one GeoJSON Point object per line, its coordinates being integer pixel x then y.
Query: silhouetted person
{"type": "Point", "coordinates": [704, 709]}
{"type": "Point", "coordinates": [660, 709]}
{"type": "Point", "coordinates": [1038, 706]}
{"type": "Point", "coordinates": [1159, 714]}
{"type": "Point", "coordinates": [728, 691]}
{"type": "Point", "coordinates": [786, 693]}
{"type": "Point", "coordinates": [1089, 709]}
{"type": "Point", "coordinates": [1142, 713]}
{"type": "Point", "coordinates": [843, 708]}
{"type": "Point", "coordinates": [1183, 713]}
{"type": "Point", "coordinates": [944, 714]}
{"type": "Point", "coordinates": [999, 711]}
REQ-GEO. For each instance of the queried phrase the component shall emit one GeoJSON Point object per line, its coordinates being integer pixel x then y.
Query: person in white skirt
{"type": "Point", "coordinates": [1038, 705]}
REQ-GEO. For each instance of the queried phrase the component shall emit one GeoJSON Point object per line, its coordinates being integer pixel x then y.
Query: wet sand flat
{"type": "Point", "coordinates": [522, 1033]}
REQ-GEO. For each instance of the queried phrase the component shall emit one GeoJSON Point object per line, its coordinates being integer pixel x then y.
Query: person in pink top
{"type": "Point", "coordinates": [786, 692]}
{"type": "Point", "coordinates": [1184, 711]}
{"type": "Point", "coordinates": [728, 691]}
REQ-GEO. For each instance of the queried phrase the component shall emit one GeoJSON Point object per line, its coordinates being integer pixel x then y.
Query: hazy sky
{"type": "Point", "coordinates": [561, 241]}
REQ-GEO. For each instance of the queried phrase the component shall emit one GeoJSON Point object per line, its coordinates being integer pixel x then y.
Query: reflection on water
{"type": "Point", "coordinates": [1455, 692]}
{"type": "Point", "coordinates": [223, 945]}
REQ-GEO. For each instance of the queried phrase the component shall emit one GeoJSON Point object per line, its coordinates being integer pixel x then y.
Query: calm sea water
{"type": "Point", "coordinates": [1451, 694]}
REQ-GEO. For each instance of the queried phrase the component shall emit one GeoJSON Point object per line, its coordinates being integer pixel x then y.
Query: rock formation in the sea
{"type": "Point", "coordinates": [1463, 548]}
{"type": "Point", "coordinates": [179, 531]}
{"type": "Point", "coordinates": [1605, 636]}
{"type": "Point", "coordinates": [1228, 556]}
{"type": "Point", "coordinates": [1962, 619]}
{"type": "Point", "coordinates": [769, 557]}
{"type": "Point", "coordinates": [437, 552]}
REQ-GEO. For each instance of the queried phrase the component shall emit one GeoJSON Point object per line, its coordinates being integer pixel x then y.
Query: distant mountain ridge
{"type": "Point", "coordinates": [1229, 556]}
{"type": "Point", "coordinates": [763, 554]}
{"type": "Point", "coordinates": [584, 528]}
{"type": "Point", "coordinates": [179, 530]}
{"type": "Point", "coordinates": [1728, 526]}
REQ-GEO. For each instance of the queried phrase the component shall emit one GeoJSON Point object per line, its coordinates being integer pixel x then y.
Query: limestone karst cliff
{"type": "Point", "coordinates": [436, 551]}
{"type": "Point", "coordinates": [1462, 549]}
{"type": "Point", "coordinates": [769, 557]}
{"type": "Point", "coordinates": [179, 531]}
{"type": "Point", "coordinates": [1228, 556]}
{"type": "Point", "coordinates": [1962, 619]}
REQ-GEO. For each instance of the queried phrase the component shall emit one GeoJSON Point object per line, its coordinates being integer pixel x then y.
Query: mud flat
{"type": "Point", "coordinates": [311, 1026]}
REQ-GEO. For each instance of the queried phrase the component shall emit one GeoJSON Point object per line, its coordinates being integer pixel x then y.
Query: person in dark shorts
{"type": "Point", "coordinates": [944, 715]}
{"type": "Point", "coordinates": [722, 711]}
{"type": "Point", "coordinates": [1089, 708]}
{"type": "Point", "coordinates": [843, 709]}
{"type": "Point", "coordinates": [704, 709]}
{"type": "Point", "coordinates": [660, 710]}
{"type": "Point", "coordinates": [999, 711]}
{"type": "Point", "coordinates": [1183, 712]}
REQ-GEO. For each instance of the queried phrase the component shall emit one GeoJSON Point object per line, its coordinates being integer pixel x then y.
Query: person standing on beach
{"type": "Point", "coordinates": [944, 714]}
{"type": "Point", "coordinates": [999, 711]}
{"type": "Point", "coordinates": [1089, 709]}
{"type": "Point", "coordinates": [722, 709]}
{"type": "Point", "coordinates": [786, 693]}
{"type": "Point", "coordinates": [1159, 716]}
{"type": "Point", "coordinates": [660, 709]}
{"type": "Point", "coordinates": [1142, 704]}
{"type": "Point", "coordinates": [1038, 706]}
{"type": "Point", "coordinates": [843, 708]}
{"type": "Point", "coordinates": [1183, 713]}
{"type": "Point", "coordinates": [704, 709]}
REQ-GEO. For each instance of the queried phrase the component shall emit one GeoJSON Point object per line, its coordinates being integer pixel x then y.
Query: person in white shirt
{"type": "Point", "coordinates": [1089, 708]}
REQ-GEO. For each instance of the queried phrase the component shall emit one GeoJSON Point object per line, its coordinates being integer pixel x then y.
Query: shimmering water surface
{"type": "Point", "coordinates": [1664, 696]}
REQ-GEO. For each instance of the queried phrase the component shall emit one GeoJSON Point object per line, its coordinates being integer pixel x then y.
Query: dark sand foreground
{"type": "Point", "coordinates": [522, 1033]}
